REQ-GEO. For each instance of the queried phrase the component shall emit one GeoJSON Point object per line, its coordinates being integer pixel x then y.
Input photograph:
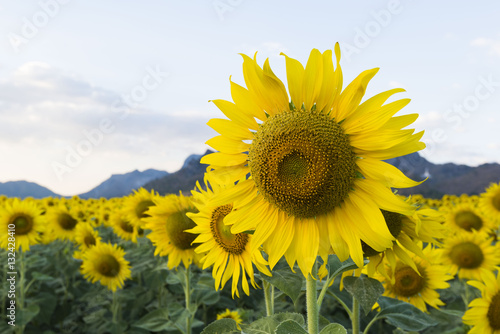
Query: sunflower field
{"type": "Point", "coordinates": [296, 228]}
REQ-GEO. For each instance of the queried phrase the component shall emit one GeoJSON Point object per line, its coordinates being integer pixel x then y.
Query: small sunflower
{"type": "Point", "coordinates": [417, 288]}
{"type": "Point", "coordinates": [123, 228]}
{"type": "Point", "coordinates": [315, 160]}
{"type": "Point", "coordinates": [21, 223]}
{"type": "Point", "coordinates": [472, 255]}
{"type": "Point", "coordinates": [409, 231]}
{"type": "Point", "coordinates": [62, 222]}
{"type": "Point", "coordinates": [230, 254]}
{"type": "Point", "coordinates": [466, 216]}
{"type": "Point", "coordinates": [484, 312]}
{"type": "Point", "coordinates": [490, 202]}
{"type": "Point", "coordinates": [85, 237]}
{"type": "Point", "coordinates": [106, 263]}
{"type": "Point", "coordinates": [228, 314]}
{"type": "Point", "coordinates": [136, 205]}
{"type": "Point", "coordinates": [168, 223]}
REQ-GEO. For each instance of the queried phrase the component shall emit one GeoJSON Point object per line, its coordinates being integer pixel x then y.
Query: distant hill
{"type": "Point", "coordinates": [119, 185]}
{"type": "Point", "coordinates": [183, 180]}
{"type": "Point", "coordinates": [23, 189]}
{"type": "Point", "coordinates": [445, 178]}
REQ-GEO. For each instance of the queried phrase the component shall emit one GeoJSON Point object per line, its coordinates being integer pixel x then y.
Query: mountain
{"type": "Point", "coordinates": [119, 185]}
{"type": "Point", "coordinates": [445, 178]}
{"type": "Point", "coordinates": [23, 189]}
{"type": "Point", "coordinates": [184, 179]}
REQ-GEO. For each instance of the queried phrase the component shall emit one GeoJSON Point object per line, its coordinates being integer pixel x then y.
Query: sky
{"type": "Point", "coordinates": [94, 88]}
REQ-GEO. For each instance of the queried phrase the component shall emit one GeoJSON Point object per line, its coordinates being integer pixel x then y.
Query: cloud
{"type": "Point", "coordinates": [492, 45]}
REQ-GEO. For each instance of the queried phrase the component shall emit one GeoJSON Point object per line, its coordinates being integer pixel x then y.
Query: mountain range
{"type": "Point", "coordinates": [441, 179]}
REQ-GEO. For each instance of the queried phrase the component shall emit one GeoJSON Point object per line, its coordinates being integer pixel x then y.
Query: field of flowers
{"type": "Point", "coordinates": [89, 266]}
{"type": "Point", "coordinates": [295, 229]}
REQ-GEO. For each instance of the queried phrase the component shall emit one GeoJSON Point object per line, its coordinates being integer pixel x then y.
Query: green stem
{"type": "Point", "coordinates": [312, 304]}
{"type": "Point", "coordinates": [367, 328]}
{"type": "Point", "coordinates": [355, 316]}
{"type": "Point", "coordinates": [324, 290]}
{"type": "Point", "coordinates": [187, 293]}
{"type": "Point", "coordinates": [114, 307]}
{"type": "Point", "coordinates": [269, 297]}
{"type": "Point", "coordinates": [341, 302]}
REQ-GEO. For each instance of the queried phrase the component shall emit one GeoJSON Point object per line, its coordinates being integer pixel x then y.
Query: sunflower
{"type": "Point", "coordinates": [409, 231]}
{"type": "Point", "coordinates": [168, 223]}
{"type": "Point", "coordinates": [484, 313]}
{"type": "Point", "coordinates": [317, 179]}
{"type": "Point", "coordinates": [466, 216]}
{"type": "Point", "coordinates": [123, 228]}
{"type": "Point", "coordinates": [21, 224]}
{"type": "Point", "coordinates": [62, 222]}
{"type": "Point", "coordinates": [230, 254]}
{"type": "Point", "coordinates": [136, 205]}
{"type": "Point", "coordinates": [228, 314]}
{"type": "Point", "coordinates": [417, 288]}
{"type": "Point", "coordinates": [470, 254]}
{"type": "Point", "coordinates": [106, 263]}
{"type": "Point", "coordinates": [490, 202]}
{"type": "Point", "coordinates": [85, 237]}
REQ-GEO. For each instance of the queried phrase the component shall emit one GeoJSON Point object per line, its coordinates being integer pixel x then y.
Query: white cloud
{"type": "Point", "coordinates": [493, 45]}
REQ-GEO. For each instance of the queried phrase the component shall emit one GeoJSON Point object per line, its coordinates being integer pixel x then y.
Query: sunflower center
{"type": "Point", "coordinates": [23, 224]}
{"type": "Point", "coordinates": [408, 282]}
{"type": "Point", "coordinates": [231, 243]}
{"type": "Point", "coordinates": [468, 220]}
{"type": "Point", "coordinates": [493, 314]}
{"type": "Point", "coordinates": [302, 162]}
{"type": "Point", "coordinates": [467, 255]}
{"type": "Point", "coordinates": [89, 240]}
{"type": "Point", "coordinates": [141, 207]}
{"type": "Point", "coordinates": [126, 226]}
{"type": "Point", "coordinates": [108, 266]}
{"type": "Point", "coordinates": [177, 223]}
{"type": "Point", "coordinates": [394, 223]}
{"type": "Point", "coordinates": [496, 201]}
{"type": "Point", "coordinates": [67, 222]}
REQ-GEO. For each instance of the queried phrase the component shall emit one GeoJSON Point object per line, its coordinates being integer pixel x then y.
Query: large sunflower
{"type": "Point", "coordinates": [168, 223]}
{"type": "Point", "coordinates": [230, 254]}
{"type": "Point", "coordinates": [471, 255]}
{"type": "Point", "coordinates": [417, 288]}
{"type": "Point", "coordinates": [61, 222]}
{"type": "Point", "coordinates": [490, 202]}
{"type": "Point", "coordinates": [317, 178]}
{"type": "Point", "coordinates": [106, 263]}
{"type": "Point", "coordinates": [21, 223]}
{"type": "Point", "coordinates": [484, 313]}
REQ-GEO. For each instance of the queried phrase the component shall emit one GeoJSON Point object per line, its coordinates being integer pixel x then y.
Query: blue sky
{"type": "Point", "coordinates": [93, 88]}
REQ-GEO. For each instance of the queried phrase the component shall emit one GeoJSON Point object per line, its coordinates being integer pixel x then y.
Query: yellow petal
{"type": "Point", "coordinates": [295, 78]}
{"type": "Point", "coordinates": [230, 129]}
{"type": "Point", "coordinates": [234, 113]}
{"type": "Point", "coordinates": [381, 171]}
{"type": "Point", "coordinates": [313, 78]}
{"type": "Point", "coordinates": [224, 159]}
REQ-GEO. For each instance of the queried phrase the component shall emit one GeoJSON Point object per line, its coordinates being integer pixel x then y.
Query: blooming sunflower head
{"type": "Point", "coordinates": [62, 222]}
{"type": "Point", "coordinates": [483, 313]}
{"type": "Point", "coordinates": [168, 223]}
{"type": "Point", "coordinates": [314, 155]}
{"type": "Point", "coordinates": [106, 263]}
{"type": "Point", "coordinates": [471, 255]}
{"type": "Point", "coordinates": [417, 287]}
{"type": "Point", "coordinates": [137, 204]}
{"type": "Point", "coordinates": [228, 314]}
{"type": "Point", "coordinates": [230, 254]}
{"type": "Point", "coordinates": [21, 221]}
{"type": "Point", "coordinates": [85, 237]}
{"type": "Point", "coordinates": [123, 228]}
{"type": "Point", "coordinates": [490, 202]}
{"type": "Point", "coordinates": [465, 216]}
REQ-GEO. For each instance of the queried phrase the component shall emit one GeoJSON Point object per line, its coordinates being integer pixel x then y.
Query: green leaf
{"type": "Point", "coordinates": [365, 289]}
{"type": "Point", "coordinates": [405, 315]}
{"type": "Point", "coordinates": [155, 321]}
{"type": "Point", "coordinates": [336, 267]}
{"type": "Point", "coordinates": [269, 324]}
{"type": "Point", "coordinates": [286, 281]}
{"type": "Point", "coordinates": [290, 327]}
{"type": "Point", "coordinates": [24, 316]}
{"type": "Point", "coordinates": [221, 326]}
{"type": "Point", "coordinates": [38, 276]}
{"type": "Point", "coordinates": [333, 329]}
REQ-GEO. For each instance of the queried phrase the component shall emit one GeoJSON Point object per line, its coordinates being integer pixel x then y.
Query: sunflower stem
{"type": "Point", "coordinates": [269, 297]}
{"type": "Point", "coordinates": [114, 308]}
{"type": "Point", "coordinates": [355, 316]}
{"type": "Point", "coordinates": [311, 303]}
{"type": "Point", "coordinates": [22, 273]}
{"type": "Point", "coordinates": [187, 293]}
